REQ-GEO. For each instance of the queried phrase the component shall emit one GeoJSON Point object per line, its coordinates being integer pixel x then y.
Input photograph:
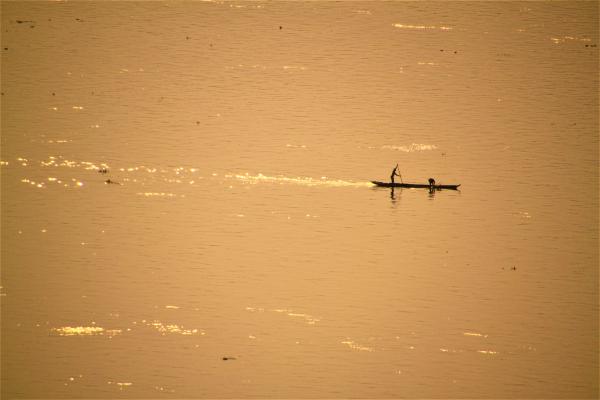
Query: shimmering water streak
{"type": "Point", "coordinates": [121, 385]}
{"type": "Point", "coordinates": [563, 39]}
{"type": "Point", "coordinates": [355, 346]}
{"type": "Point", "coordinates": [183, 175]}
{"type": "Point", "coordinates": [413, 146]}
{"type": "Point", "coordinates": [162, 328]}
{"type": "Point", "coordinates": [423, 27]}
{"type": "Point", "coordinates": [306, 181]}
{"type": "Point", "coordinates": [309, 319]}
{"type": "Point", "coordinates": [84, 331]}
{"type": "Point", "coordinates": [159, 194]}
{"type": "Point", "coordinates": [474, 334]}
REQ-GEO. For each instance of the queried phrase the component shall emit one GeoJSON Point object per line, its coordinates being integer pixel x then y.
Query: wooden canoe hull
{"type": "Point", "coordinates": [414, 185]}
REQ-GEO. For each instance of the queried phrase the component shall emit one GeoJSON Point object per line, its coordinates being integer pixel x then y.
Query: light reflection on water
{"type": "Point", "coordinates": [162, 328]}
{"type": "Point", "coordinates": [353, 345]}
{"type": "Point", "coordinates": [84, 331]}
{"type": "Point", "coordinates": [307, 181]}
{"type": "Point", "coordinates": [423, 27]}
{"type": "Point", "coordinates": [181, 175]}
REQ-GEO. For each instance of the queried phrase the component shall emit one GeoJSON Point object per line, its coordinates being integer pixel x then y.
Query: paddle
{"type": "Point", "coordinates": [399, 174]}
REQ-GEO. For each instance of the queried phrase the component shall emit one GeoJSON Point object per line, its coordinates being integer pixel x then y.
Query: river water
{"type": "Point", "coordinates": [242, 250]}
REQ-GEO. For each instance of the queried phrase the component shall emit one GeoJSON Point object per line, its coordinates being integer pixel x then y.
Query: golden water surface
{"type": "Point", "coordinates": [187, 209]}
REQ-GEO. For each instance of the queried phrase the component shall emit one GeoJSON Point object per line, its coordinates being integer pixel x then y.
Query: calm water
{"type": "Point", "coordinates": [243, 136]}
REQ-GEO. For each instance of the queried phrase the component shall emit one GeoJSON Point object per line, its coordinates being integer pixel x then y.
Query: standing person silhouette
{"type": "Point", "coordinates": [394, 173]}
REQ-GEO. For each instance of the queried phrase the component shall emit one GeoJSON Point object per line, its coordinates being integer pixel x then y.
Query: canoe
{"type": "Point", "coordinates": [413, 185]}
